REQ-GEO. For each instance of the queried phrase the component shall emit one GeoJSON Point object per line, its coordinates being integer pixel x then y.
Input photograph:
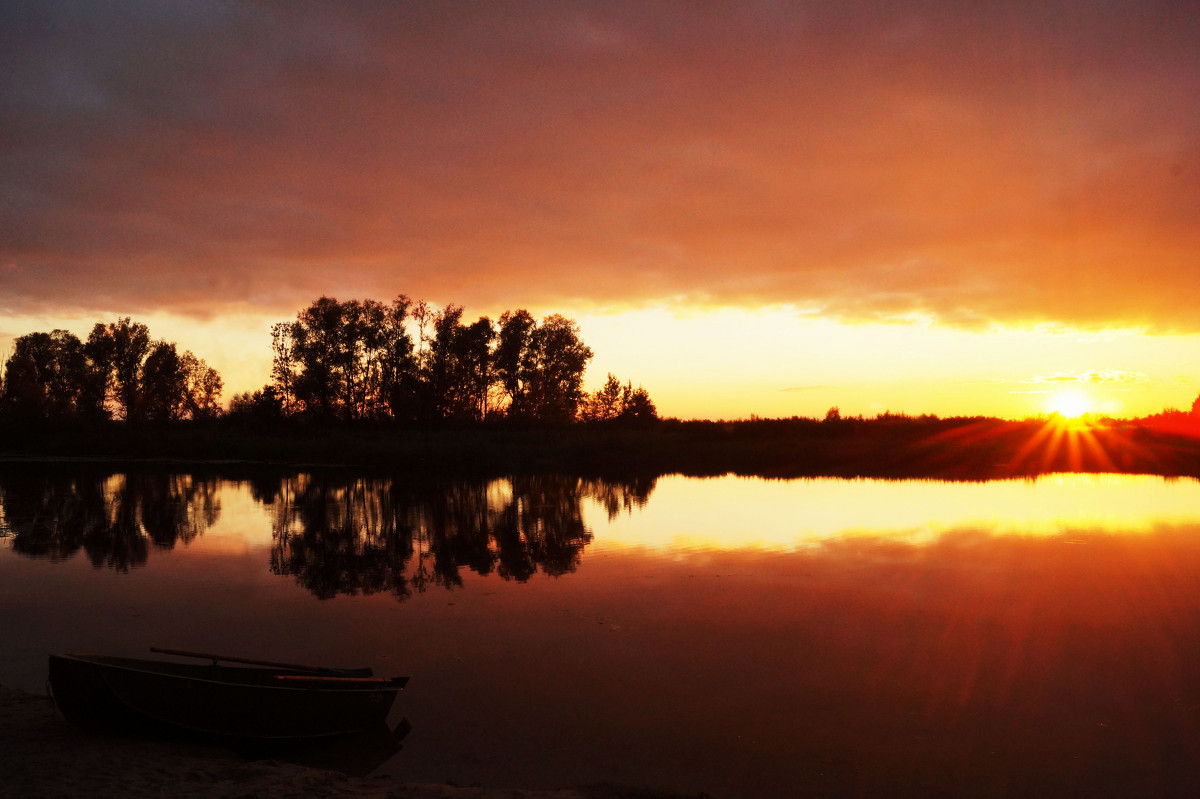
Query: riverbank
{"type": "Point", "coordinates": [886, 447]}
{"type": "Point", "coordinates": [41, 755]}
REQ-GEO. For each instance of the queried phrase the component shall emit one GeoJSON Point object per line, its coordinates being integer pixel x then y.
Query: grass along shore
{"type": "Point", "coordinates": [888, 447]}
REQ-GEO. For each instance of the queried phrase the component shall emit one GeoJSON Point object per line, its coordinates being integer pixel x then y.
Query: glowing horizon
{"type": "Point", "coordinates": [730, 363]}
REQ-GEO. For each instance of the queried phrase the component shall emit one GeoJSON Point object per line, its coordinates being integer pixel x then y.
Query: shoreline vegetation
{"type": "Point", "coordinates": [338, 362]}
{"type": "Point", "coordinates": [415, 391]}
{"type": "Point", "coordinates": [889, 446]}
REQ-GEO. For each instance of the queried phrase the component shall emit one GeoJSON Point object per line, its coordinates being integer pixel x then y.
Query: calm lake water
{"type": "Point", "coordinates": [744, 637]}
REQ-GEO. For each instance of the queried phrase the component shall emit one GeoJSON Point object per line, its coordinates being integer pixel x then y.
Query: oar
{"type": "Point", "coordinates": [289, 666]}
{"type": "Point", "coordinates": [397, 682]}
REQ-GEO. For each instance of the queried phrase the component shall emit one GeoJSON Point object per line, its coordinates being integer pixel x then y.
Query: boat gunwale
{"type": "Point", "coordinates": [323, 684]}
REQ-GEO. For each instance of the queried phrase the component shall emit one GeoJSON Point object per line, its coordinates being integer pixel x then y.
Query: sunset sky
{"type": "Point", "coordinates": [760, 208]}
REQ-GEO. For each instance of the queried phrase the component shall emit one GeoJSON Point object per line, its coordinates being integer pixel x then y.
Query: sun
{"type": "Point", "coordinates": [1070, 404]}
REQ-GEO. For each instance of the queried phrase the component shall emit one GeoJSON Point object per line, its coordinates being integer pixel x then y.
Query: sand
{"type": "Point", "coordinates": [42, 755]}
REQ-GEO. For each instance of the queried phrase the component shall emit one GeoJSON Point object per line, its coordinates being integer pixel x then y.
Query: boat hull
{"type": "Point", "coordinates": [216, 701]}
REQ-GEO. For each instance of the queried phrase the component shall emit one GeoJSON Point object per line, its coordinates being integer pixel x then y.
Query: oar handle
{"type": "Point", "coordinates": [250, 662]}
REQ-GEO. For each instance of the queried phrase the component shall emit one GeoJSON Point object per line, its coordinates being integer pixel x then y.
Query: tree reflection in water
{"type": "Point", "coordinates": [334, 534]}
{"type": "Point", "coordinates": [338, 536]}
{"type": "Point", "coordinates": [370, 535]}
{"type": "Point", "coordinates": [113, 518]}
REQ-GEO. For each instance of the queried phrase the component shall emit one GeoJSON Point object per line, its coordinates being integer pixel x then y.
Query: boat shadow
{"type": "Point", "coordinates": [355, 755]}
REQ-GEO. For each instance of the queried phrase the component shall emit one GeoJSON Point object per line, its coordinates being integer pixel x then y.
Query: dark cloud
{"type": "Point", "coordinates": [1010, 162]}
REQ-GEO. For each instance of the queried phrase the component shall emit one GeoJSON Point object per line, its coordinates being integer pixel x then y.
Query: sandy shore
{"type": "Point", "coordinates": [41, 755]}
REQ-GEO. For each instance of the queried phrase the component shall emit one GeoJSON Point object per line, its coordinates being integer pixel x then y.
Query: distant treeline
{"type": "Point", "coordinates": [118, 372]}
{"type": "Point", "coordinates": [887, 446]}
{"type": "Point", "coordinates": [337, 361]}
{"type": "Point", "coordinates": [1172, 420]}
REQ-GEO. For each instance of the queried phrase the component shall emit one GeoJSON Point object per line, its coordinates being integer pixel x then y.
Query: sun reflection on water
{"type": "Point", "coordinates": [672, 515]}
{"type": "Point", "coordinates": [687, 514]}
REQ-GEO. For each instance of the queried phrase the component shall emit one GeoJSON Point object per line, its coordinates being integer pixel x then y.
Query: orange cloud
{"type": "Point", "coordinates": [1016, 164]}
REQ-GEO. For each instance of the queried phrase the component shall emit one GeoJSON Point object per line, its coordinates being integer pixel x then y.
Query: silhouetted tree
{"type": "Point", "coordinates": [560, 359]}
{"type": "Point", "coordinates": [440, 366]}
{"type": "Point", "coordinates": [459, 365]}
{"type": "Point", "coordinates": [175, 386]}
{"type": "Point", "coordinates": [367, 345]}
{"type": "Point", "coordinates": [44, 376]}
{"type": "Point", "coordinates": [129, 346]}
{"type": "Point", "coordinates": [202, 387]}
{"type": "Point", "coordinates": [614, 401]}
{"type": "Point", "coordinates": [316, 349]}
{"type": "Point", "coordinates": [163, 385]}
{"type": "Point", "coordinates": [604, 404]}
{"type": "Point", "coordinates": [343, 359]}
{"type": "Point", "coordinates": [398, 366]}
{"type": "Point", "coordinates": [357, 360]}
{"type": "Point", "coordinates": [98, 353]}
{"type": "Point", "coordinates": [512, 359]}
{"type": "Point", "coordinates": [636, 404]}
{"type": "Point", "coordinates": [283, 368]}
{"type": "Point", "coordinates": [56, 376]}
{"type": "Point", "coordinates": [546, 378]}
{"type": "Point", "coordinates": [474, 352]}
{"type": "Point", "coordinates": [263, 405]}
{"type": "Point", "coordinates": [387, 353]}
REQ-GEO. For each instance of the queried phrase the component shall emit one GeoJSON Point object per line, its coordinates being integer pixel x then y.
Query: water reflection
{"type": "Point", "coordinates": [814, 637]}
{"type": "Point", "coordinates": [334, 534]}
{"type": "Point", "coordinates": [115, 519]}
{"type": "Point", "coordinates": [362, 535]}
{"type": "Point", "coordinates": [741, 514]}
{"type": "Point", "coordinates": [343, 533]}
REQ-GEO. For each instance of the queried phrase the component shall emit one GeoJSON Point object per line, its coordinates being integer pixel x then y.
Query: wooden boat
{"type": "Point", "coordinates": [258, 701]}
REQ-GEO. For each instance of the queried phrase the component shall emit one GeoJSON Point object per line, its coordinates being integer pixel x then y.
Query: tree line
{"type": "Point", "coordinates": [336, 361]}
{"type": "Point", "coordinates": [364, 359]}
{"type": "Point", "coordinates": [118, 372]}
